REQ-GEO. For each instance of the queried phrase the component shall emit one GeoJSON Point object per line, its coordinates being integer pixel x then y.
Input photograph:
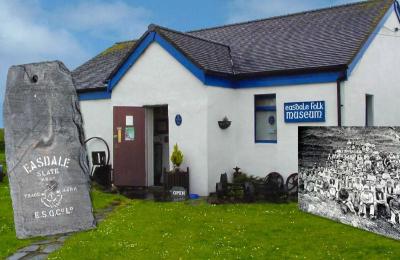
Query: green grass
{"type": "Point", "coordinates": [101, 200]}
{"type": "Point", "coordinates": [197, 230]}
{"type": "Point", "coordinates": [150, 230]}
{"type": "Point", "coordinates": [8, 241]}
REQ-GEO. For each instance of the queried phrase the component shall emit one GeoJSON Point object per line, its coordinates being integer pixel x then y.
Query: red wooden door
{"type": "Point", "coordinates": [129, 146]}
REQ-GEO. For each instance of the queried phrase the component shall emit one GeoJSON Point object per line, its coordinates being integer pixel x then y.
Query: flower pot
{"type": "Point", "coordinates": [224, 124]}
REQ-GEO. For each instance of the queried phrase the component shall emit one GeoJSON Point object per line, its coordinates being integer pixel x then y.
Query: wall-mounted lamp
{"type": "Point", "coordinates": [224, 123]}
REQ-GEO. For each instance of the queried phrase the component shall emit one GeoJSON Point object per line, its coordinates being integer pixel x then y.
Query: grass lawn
{"type": "Point", "coordinates": [150, 230]}
{"type": "Point", "coordinates": [195, 229]}
{"type": "Point", "coordinates": [8, 241]}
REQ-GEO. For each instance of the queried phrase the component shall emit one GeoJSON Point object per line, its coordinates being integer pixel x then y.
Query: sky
{"type": "Point", "coordinates": [74, 31]}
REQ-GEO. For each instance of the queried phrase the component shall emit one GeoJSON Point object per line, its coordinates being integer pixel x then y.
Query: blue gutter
{"type": "Point", "coordinates": [362, 51]}
{"type": "Point", "coordinates": [274, 81]}
{"type": "Point", "coordinates": [94, 95]}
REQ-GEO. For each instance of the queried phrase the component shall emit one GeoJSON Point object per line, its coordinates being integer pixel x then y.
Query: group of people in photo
{"type": "Point", "coordinates": [362, 180]}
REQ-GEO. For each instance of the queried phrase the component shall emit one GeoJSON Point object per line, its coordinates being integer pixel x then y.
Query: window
{"type": "Point", "coordinates": [265, 118]}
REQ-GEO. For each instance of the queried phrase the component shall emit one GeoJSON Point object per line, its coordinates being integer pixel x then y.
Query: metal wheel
{"type": "Point", "coordinates": [292, 183]}
{"type": "Point", "coordinates": [274, 182]}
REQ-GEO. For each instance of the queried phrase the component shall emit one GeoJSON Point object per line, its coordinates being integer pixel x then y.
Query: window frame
{"type": "Point", "coordinates": [264, 108]}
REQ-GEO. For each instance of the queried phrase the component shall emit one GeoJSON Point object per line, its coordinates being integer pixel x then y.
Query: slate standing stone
{"type": "Point", "coordinates": [46, 159]}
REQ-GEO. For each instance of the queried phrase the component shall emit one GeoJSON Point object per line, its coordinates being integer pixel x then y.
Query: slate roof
{"type": "Point", "coordinates": [93, 74]}
{"type": "Point", "coordinates": [211, 56]}
{"type": "Point", "coordinates": [314, 39]}
{"type": "Point", "coordinates": [323, 39]}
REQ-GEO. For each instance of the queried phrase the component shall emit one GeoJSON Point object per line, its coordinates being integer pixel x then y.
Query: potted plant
{"type": "Point", "coordinates": [176, 177]}
{"type": "Point", "coordinates": [176, 158]}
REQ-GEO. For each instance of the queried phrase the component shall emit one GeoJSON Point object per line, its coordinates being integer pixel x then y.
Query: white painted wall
{"type": "Point", "coordinates": [158, 79]}
{"type": "Point", "coordinates": [97, 121]}
{"type": "Point", "coordinates": [222, 148]}
{"type": "Point", "coordinates": [377, 73]}
{"type": "Point", "coordinates": [236, 145]}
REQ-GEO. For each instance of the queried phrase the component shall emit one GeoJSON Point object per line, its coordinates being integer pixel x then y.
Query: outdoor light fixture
{"type": "Point", "coordinates": [224, 123]}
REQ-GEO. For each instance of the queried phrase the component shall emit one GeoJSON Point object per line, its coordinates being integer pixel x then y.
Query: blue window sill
{"type": "Point", "coordinates": [266, 108]}
{"type": "Point", "coordinates": [267, 142]}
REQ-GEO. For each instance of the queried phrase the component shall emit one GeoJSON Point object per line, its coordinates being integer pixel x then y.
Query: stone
{"type": "Point", "coordinates": [46, 158]}
{"type": "Point", "coordinates": [31, 248]}
{"type": "Point", "coordinates": [37, 257]}
{"type": "Point", "coordinates": [62, 239]}
{"type": "Point", "coordinates": [43, 242]}
{"type": "Point", "coordinates": [17, 256]}
{"type": "Point", "coordinates": [51, 248]}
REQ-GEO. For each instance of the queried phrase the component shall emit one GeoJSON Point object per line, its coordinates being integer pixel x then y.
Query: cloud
{"type": "Point", "coordinates": [70, 32]}
{"type": "Point", "coordinates": [23, 39]}
{"type": "Point", "coordinates": [245, 10]}
{"type": "Point", "coordinates": [115, 19]}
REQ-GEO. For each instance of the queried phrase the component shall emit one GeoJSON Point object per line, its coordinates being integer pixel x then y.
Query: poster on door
{"type": "Point", "coordinates": [129, 133]}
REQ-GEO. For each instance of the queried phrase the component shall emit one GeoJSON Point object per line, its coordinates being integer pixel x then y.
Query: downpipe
{"type": "Point", "coordinates": [339, 82]}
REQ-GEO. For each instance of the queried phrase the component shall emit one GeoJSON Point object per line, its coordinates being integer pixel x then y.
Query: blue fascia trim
{"type": "Point", "coordinates": [272, 81]}
{"type": "Point", "coordinates": [266, 141]}
{"type": "Point", "coordinates": [265, 108]}
{"type": "Point", "coordinates": [131, 60]}
{"type": "Point", "coordinates": [199, 73]}
{"type": "Point", "coordinates": [94, 95]}
{"type": "Point", "coordinates": [151, 37]}
{"type": "Point", "coordinates": [397, 9]}
{"type": "Point", "coordinates": [217, 81]}
{"type": "Point", "coordinates": [362, 51]}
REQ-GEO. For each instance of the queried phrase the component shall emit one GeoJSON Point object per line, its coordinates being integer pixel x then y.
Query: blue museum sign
{"type": "Point", "coordinates": [312, 111]}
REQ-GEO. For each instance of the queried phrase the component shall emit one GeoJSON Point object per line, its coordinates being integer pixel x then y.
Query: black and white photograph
{"type": "Point", "coordinates": [352, 175]}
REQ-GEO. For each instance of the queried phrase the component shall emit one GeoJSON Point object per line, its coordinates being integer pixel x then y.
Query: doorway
{"type": "Point", "coordinates": [160, 143]}
{"type": "Point", "coordinates": [369, 110]}
{"type": "Point", "coordinates": [129, 146]}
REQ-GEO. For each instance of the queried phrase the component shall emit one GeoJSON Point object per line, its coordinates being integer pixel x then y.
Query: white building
{"type": "Point", "coordinates": [329, 67]}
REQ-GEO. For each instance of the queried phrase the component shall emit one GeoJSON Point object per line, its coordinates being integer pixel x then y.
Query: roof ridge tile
{"type": "Point", "coordinates": [192, 36]}
{"type": "Point", "coordinates": [287, 15]}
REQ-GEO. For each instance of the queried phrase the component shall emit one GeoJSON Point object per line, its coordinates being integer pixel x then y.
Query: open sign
{"type": "Point", "coordinates": [178, 193]}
